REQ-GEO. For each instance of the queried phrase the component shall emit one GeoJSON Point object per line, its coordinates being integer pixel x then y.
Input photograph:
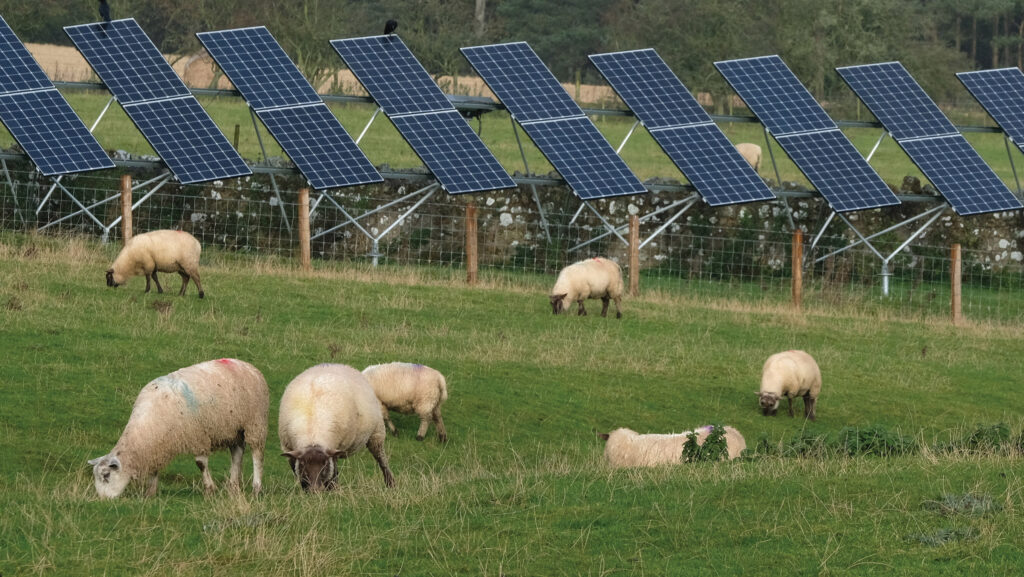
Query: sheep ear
{"type": "Point", "coordinates": [292, 454]}
{"type": "Point", "coordinates": [332, 453]}
{"type": "Point", "coordinates": [96, 461]}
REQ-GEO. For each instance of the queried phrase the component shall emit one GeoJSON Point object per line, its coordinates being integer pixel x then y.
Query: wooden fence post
{"type": "Point", "coordinates": [472, 256]}
{"type": "Point", "coordinates": [956, 275]}
{"type": "Point", "coordinates": [798, 268]}
{"type": "Point", "coordinates": [126, 207]}
{"type": "Point", "coordinates": [634, 255]}
{"type": "Point", "coordinates": [238, 130]}
{"type": "Point", "coordinates": [304, 252]}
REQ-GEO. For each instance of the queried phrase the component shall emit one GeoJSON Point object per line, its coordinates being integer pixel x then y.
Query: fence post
{"type": "Point", "coordinates": [126, 208]}
{"type": "Point", "coordinates": [634, 255]}
{"type": "Point", "coordinates": [304, 253]}
{"type": "Point", "coordinates": [798, 268]}
{"type": "Point", "coordinates": [956, 275]}
{"type": "Point", "coordinates": [472, 256]}
{"type": "Point", "coordinates": [238, 130]}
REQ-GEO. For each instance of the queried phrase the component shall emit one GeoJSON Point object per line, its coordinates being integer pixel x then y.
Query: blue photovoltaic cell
{"type": "Point", "coordinates": [525, 85]}
{"type": "Point", "coordinates": [775, 95]}
{"type": "Point", "coordinates": [319, 146]}
{"type": "Point", "coordinates": [18, 69]}
{"type": "Point", "coordinates": [187, 140]}
{"type": "Point", "coordinates": [837, 170]}
{"type": "Point", "coordinates": [897, 101]}
{"type": "Point", "coordinates": [959, 173]}
{"type": "Point", "coordinates": [391, 74]}
{"type": "Point", "coordinates": [127, 61]}
{"type": "Point", "coordinates": [650, 89]}
{"type": "Point", "coordinates": [580, 153]}
{"type": "Point", "coordinates": [712, 164]}
{"type": "Point", "coordinates": [259, 68]}
{"type": "Point", "coordinates": [453, 152]}
{"type": "Point", "coordinates": [52, 135]}
{"type": "Point", "coordinates": [1001, 93]}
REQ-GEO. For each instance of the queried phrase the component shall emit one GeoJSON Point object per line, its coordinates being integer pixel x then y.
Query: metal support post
{"type": "Point", "coordinates": [877, 144]}
{"type": "Point", "coordinates": [526, 165]}
{"type": "Point", "coordinates": [367, 127]}
{"type": "Point", "coordinates": [164, 179]}
{"type": "Point", "coordinates": [628, 134]}
{"type": "Point", "coordinates": [1009, 154]}
{"type": "Point", "coordinates": [56, 182]}
{"type": "Point", "coordinates": [778, 178]}
{"type": "Point", "coordinates": [686, 203]}
{"type": "Point", "coordinates": [14, 192]}
{"type": "Point", "coordinates": [273, 181]}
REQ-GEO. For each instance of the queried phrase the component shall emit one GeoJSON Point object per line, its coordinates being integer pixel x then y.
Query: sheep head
{"type": "Point", "coordinates": [109, 475]}
{"type": "Point", "coordinates": [114, 279]}
{"type": "Point", "coordinates": [315, 467]}
{"type": "Point", "coordinates": [769, 403]}
{"type": "Point", "coordinates": [558, 304]}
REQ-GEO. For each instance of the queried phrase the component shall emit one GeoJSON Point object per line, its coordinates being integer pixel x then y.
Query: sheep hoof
{"type": "Point", "coordinates": [201, 294]}
{"type": "Point", "coordinates": [419, 437]}
{"type": "Point", "coordinates": [443, 438]}
{"type": "Point", "coordinates": [618, 315]}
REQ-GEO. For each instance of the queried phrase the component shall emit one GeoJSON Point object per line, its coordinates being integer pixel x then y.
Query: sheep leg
{"type": "Point", "coordinates": [604, 305]}
{"type": "Point", "coordinates": [442, 435]}
{"type": "Point", "coordinates": [184, 283]}
{"type": "Point", "coordinates": [582, 311]}
{"type": "Point", "coordinates": [424, 424]}
{"type": "Point", "coordinates": [809, 406]}
{"type": "Point", "coordinates": [235, 480]}
{"type": "Point", "coordinates": [159, 288]}
{"type": "Point", "coordinates": [791, 406]}
{"type": "Point", "coordinates": [257, 468]}
{"type": "Point", "coordinates": [147, 282]}
{"type": "Point", "coordinates": [618, 311]}
{"type": "Point", "coordinates": [203, 462]}
{"type": "Point", "coordinates": [376, 447]}
{"type": "Point", "coordinates": [390, 425]}
{"type": "Point", "coordinates": [194, 275]}
{"type": "Point", "coordinates": [151, 485]}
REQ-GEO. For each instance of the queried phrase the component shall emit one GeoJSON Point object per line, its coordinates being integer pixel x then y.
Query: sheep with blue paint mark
{"type": "Point", "coordinates": [410, 388]}
{"type": "Point", "coordinates": [196, 410]}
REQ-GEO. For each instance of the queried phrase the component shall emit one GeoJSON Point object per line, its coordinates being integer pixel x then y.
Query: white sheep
{"type": "Point", "coordinates": [329, 412]}
{"type": "Point", "coordinates": [751, 153]}
{"type": "Point", "coordinates": [790, 374]}
{"type": "Point", "coordinates": [627, 448]}
{"type": "Point", "coordinates": [158, 251]}
{"type": "Point", "coordinates": [408, 388]}
{"type": "Point", "coordinates": [197, 409]}
{"type": "Point", "coordinates": [588, 279]}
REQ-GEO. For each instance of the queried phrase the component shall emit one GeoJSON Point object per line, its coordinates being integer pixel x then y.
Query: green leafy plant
{"type": "Point", "coordinates": [714, 447]}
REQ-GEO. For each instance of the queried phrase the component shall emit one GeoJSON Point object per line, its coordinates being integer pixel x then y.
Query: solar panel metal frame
{"type": "Point", "coordinates": [1001, 93]}
{"type": "Point", "coordinates": [157, 101]}
{"type": "Point", "coordinates": [775, 99]}
{"type": "Point", "coordinates": [259, 68]}
{"type": "Point", "coordinates": [545, 125]}
{"type": "Point", "coordinates": [30, 107]}
{"type": "Point", "coordinates": [897, 100]}
{"type": "Point", "coordinates": [271, 98]}
{"type": "Point", "coordinates": [422, 113]}
{"type": "Point", "coordinates": [929, 136]}
{"type": "Point", "coordinates": [681, 127]}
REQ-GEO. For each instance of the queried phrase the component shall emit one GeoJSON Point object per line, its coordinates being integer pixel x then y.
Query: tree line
{"type": "Point", "coordinates": [933, 38]}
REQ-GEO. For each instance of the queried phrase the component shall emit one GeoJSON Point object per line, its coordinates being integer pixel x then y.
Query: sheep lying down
{"type": "Point", "coordinates": [627, 448]}
{"type": "Point", "coordinates": [196, 410]}
{"type": "Point", "coordinates": [158, 251]}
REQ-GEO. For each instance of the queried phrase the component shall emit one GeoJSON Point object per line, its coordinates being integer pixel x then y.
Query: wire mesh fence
{"type": "Point", "coordinates": [740, 253]}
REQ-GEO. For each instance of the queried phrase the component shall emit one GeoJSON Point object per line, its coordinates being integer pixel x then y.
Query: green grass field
{"type": "Point", "coordinates": [383, 145]}
{"type": "Point", "coordinates": [521, 488]}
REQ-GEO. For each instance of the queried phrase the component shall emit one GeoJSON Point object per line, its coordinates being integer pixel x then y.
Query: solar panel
{"type": "Point", "coordinates": [1001, 93]}
{"type": "Point", "coordinates": [392, 74]}
{"type": "Point", "coordinates": [681, 127]}
{"type": "Point", "coordinates": [811, 139]}
{"type": "Point", "coordinates": [18, 69]}
{"type": "Point", "coordinates": [834, 166]}
{"type": "Point", "coordinates": [52, 135]}
{"type": "Point", "coordinates": [650, 89]}
{"type": "Point", "coordinates": [525, 85]}
{"type": "Point", "coordinates": [580, 153]}
{"type": "Point", "coordinates": [711, 164]}
{"type": "Point", "coordinates": [291, 109]}
{"type": "Point", "coordinates": [187, 139]}
{"type": "Point", "coordinates": [775, 95]}
{"type": "Point", "coordinates": [127, 61]}
{"type": "Point", "coordinates": [959, 173]}
{"type": "Point", "coordinates": [319, 146]}
{"type": "Point", "coordinates": [259, 68]}
{"type": "Point", "coordinates": [897, 100]}
{"type": "Point", "coordinates": [39, 117]}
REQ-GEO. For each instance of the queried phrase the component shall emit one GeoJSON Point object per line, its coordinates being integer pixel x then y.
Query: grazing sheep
{"type": "Point", "coordinates": [627, 448]}
{"type": "Point", "coordinates": [790, 374]}
{"type": "Point", "coordinates": [212, 405]}
{"type": "Point", "coordinates": [158, 251]}
{"type": "Point", "coordinates": [588, 279]}
{"type": "Point", "coordinates": [408, 389]}
{"type": "Point", "coordinates": [329, 412]}
{"type": "Point", "coordinates": [751, 153]}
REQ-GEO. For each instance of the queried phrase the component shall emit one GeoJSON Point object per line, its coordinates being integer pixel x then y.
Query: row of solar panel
{"type": "Point", "coordinates": [188, 141]}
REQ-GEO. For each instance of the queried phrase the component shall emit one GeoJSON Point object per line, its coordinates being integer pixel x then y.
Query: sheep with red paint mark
{"type": "Point", "coordinates": [197, 409]}
{"type": "Point", "coordinates": [594, 278]}
{"type": "Point", "coordinates": [627, 448]}
{"type": "Point", "coordinates": [158, 251]}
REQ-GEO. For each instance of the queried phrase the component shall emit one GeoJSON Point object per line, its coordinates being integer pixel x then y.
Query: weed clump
{"type": "Point", "coordinates": [715, 447]}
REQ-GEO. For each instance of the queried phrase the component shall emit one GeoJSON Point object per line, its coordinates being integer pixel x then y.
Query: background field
{"type": "Point", "coordinates": [521, 488]}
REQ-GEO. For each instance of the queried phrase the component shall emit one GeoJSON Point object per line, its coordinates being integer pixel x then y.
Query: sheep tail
{"type": "Point", "coordinates": [444, 388]}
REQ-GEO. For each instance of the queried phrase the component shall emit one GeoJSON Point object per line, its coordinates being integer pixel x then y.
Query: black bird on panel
{"type": "Point", "coordinates": [104, 14]}
{"type": "Point", "coordinates": [389, 26]}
